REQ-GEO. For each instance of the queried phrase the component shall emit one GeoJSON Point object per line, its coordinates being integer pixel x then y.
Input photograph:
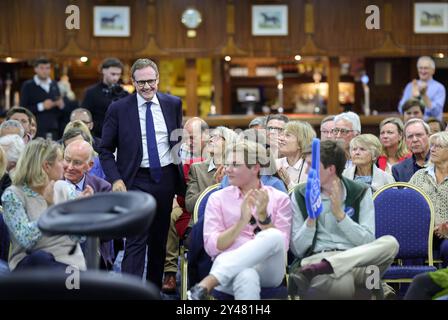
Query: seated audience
{"type": "Point", "coordinates": [326, 128]}
{"type": "Point", "coordinates": [12, 127]}
{"type": "Point", "coordinates": [246, 229]}
{"type": "Point", "coordinates": [33, 127]}
{"type": "Point", "coordinates": [292, 168]}
{"type": "Point", "coordinates": [416, 134]}
{"type": "Point", "coordinates": [347, 125]}
{"type": "Point", "coordinates": [211, 171]}
{"type": "Point", "coordinates": [428, 286]}
{"type": "Point", "coordinates": [78, 161]}
{"type": "Point", "coordinates": [336, 248]}
{"type": "Point", "coordinates": [413, 108]}
{"type": "Point", "coordinates": [34, 188]}
{"type": "Point", "coordinates": [84, 115]}
{"type": "Point", "coordinates": [24, 116]}
{"type": "Point", "coordinates": [195, 137]}
{"type": "Point", "coordinates": [258, 123]}
{"type": "Point", "coordinates": [268, 173]}
{"type": "Point", "coordinates": [433, 180]}
{"type": "Point", "coordinates": [13, 146]}
{"type": "Point", "coordinates": [74, 134]}
{"type": "Point", "coordinates": [394, 149]}
{"type": "Point", "coordinates": [364, 150]}
{"type": "Point", "coordinates": [275, 125]}
{"type": "Point", "coordinates": [436, 125]}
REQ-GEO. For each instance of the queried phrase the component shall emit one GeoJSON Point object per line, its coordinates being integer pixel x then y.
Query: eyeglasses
{"type": "Point", "coordinates": [342, 131]}
{"type": "Point", "coordinates": [276, 129]}
{"type": "Point", "coordinates": [216, 137]}
{"type": "Point", "coordinates": [142, 83]}
{"type": "Point", "coordinates": [436, 147]}
{"type": "Point", "coordinates": [326, 132]}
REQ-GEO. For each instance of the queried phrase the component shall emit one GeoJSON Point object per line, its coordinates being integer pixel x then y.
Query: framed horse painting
{"type": "Point", "coordinates": [111, 21]}
{"type": "Point", "coordinates": [430, 17]}
{"type": "Point", "coordinates": [269, 20]}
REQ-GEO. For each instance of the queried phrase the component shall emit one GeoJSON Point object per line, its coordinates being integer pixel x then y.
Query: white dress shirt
{"type": "Point", "coordinates": [44, 85]}
{"type": "Point", "coordinates": [163, 146]}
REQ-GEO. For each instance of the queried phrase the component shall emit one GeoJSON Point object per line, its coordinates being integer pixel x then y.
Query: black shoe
{"type": "Point", "coordinates": [302, 283]}
{"type": "Point", "coordinates": [197, 293]}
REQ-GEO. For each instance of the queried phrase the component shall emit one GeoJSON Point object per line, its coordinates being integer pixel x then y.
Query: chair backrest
{"type": "Point", "coordinates": [44, 284]}
{"type": "Point", "coordinates": [405, 212]}
{"type": "Point", "coordinates": [199, 263]}
{"type": "Point", "coordinates": [199, 207]}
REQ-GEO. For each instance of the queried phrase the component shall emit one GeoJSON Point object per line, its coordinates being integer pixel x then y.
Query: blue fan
{"type": "Point", "coordinates": [312, 193]}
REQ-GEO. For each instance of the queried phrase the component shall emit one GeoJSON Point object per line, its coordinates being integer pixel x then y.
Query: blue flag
{"type": "Point", "coordinates": [312, 193]}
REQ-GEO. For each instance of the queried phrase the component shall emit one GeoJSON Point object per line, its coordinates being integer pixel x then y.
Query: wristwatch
{"type": "Point", "coordinates": [265, 222]}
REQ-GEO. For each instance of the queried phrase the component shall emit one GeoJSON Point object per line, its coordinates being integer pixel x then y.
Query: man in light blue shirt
{"type": "Point", "coordinates": [337, 247]}
{"type": "Point", "coordinates": [431, 92]}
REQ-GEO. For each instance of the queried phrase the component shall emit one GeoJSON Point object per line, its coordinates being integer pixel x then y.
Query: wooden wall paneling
{"type": "Point", "coordinates": [4, 45]}
{"type": "Point", "coordinates": [121, 47]}
{"type": "Point", "coordinates": [218, 79]}
{"type": "Point", "coordinates": [385, 98]}
{"type": "Point", "coordinates": [333, 88]}
{"type": "Point", "coordinates": [340, 27]}
{"type": "Point", "coordinates": [171, 34]}
{"type": "Point", "coordinates": [270, 45]}
{"type": "Point", "coordinates": [34, 27]}
{"type": "Point", "coordinates": [403, 31]}
{"type": "Point", "coordinates": [191, 84]}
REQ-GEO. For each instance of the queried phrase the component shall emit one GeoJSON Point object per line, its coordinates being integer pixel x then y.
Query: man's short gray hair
{"type": "Point", "coordinates": [12, 124]}
{"type": "Point", "coordinates": [351, 117]}
{"type": "Point", "coordinates": [417, 120]}
{"type": "Point", "coordinates": [429, 59]}
{"type": "Point", "coordinates": [13, 146]}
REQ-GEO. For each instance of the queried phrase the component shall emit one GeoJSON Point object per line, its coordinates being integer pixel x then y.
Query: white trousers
{"type": "Point", "coordinates": [350, 266]}
{"type": "Point", "coordinates": [257, 263]}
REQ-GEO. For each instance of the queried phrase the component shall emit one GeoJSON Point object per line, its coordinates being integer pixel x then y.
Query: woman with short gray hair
{"type": "Point", "coordinates": [364, 151]}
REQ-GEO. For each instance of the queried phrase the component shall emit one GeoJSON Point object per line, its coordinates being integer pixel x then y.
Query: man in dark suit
{"type": "Point", "coordinates": [141, 128]}
{"type": "Point", "coordinates": [42, 97]}
{"type": "Point", "coordinates": [416, 133]}
{"type": "Point", "coordinates": [99, 96]}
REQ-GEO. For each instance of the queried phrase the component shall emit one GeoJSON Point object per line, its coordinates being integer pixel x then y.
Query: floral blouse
{"type": "Point", "coordinates": [19, 225]}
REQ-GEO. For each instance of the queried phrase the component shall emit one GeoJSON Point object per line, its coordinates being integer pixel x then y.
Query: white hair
{"type": "Point", "coordinates": [12, 124]}
{"type": "Point", "coordinates": [351, 117]}
{"type": "Point", "coordinates": [13, 146]}
{"type": "Point", "coordinates": [429, 59]}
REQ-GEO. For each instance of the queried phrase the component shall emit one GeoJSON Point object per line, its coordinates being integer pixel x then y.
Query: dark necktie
{"type": "Point", "coordinates": [153, 153]}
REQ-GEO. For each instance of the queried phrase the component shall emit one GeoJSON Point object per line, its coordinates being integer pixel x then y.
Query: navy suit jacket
{"type": "Point", "coordinates": [404, 170]}
{"type": "Point", "coordinates": [97, 184]}
{"type": "Point", "coordinates": [121, 131]}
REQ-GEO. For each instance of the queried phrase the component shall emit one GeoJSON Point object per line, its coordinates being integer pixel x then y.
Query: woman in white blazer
{"type": "Point", "coordinates": [364, 151]}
